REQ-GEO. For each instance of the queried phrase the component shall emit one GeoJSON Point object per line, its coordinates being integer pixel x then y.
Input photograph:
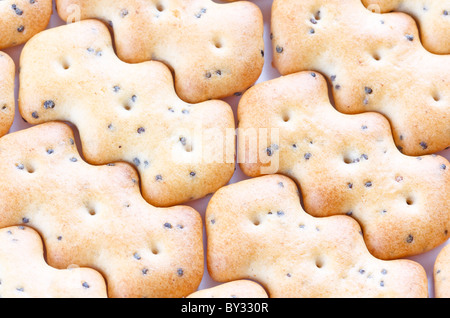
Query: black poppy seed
{"type": "Point", "coordinates": [170, 109]}
{"type": "Point", "coordinates": [32, 1]}
{"type": "Point", "coordinates": [192, 174]}
{"type": "Point", "coordinates": [123, 13]}
{"type": "Point", "coordinates": [50, 151]}
{"type": "Point", "coordinates": [382, 283]}
{"type": "Point", "coordinates": [73, 159]}
{"type": "Point", "coordinates": [213, 221]}
{"type": "Point", "coordinates": [85, 285]}
{"type": "Point", "coordinates": [409, 239]}
{"type": "Point", "coordinates": [269, 151]}
{"type": "Point", "coordinates": [364, 156]}
{"type": "Point", "coordinates": [368, 184]}
{"type": "Point", "coordinates": [183, 141]}
{"type": "Point", "coordinates": [133, 98]}
{"type": "Point", "coordinates": [384, 271]}
{"type": "Point", "coordinates": [294, 146]}
{"type": "Point", "coordinates": [307, 156]}
{"type": "Point", "coordinates": [208, 74]}
{"type": "Point", "coordinates": [144, 271]}
{"type": "Point", "coordinates": [262, 53]}
{"type": "Point", "coordinates": [20, 289]}
{"type": "Point", "coordinates": [17, 10]}
{"type": "Point", "coordinates": [349, 213]}
{"type": "Point", "coordinates": [137, 256]}
{"type": "Point", "coordinates": [25, 220]}
{"type": "Point", "coordinates": [20, 28]}
{"type": "Point", "coordinates": [20, 166]}
{"type": "Point", "coordinates": [280, 213]}
{"type": "Point", "coordinates": [368, 90]}
{"type": "Point", "coordinates": [158, 177]}
{"type": "Point", "coordinates": [4, 107]}
{"type": "Point", "coordinates": [167, 225]}
{"type": "Point", "coordinates": [279, 49]}
{"type": "Point", "coordinates": [237, 94]}
{"type": "Point", "coordinates": [59, 238]}
{"type": "Point", "coordinates": [443, 166]}
{"type": "Point", "coordinates": [281, 184]}
{"type": "Point", "coordinates": [136, 161]}
{"type": "Point", "coordinates": [185, 111]}
{"type": "Point", "coordinates": [313, 74]}
{"type": "Point", "coordinates": [409, 37]}
{"type": "Point", "coordinates": [35, 115]}
{"type": "Point", "coordinates": [313, 21]}
{"type": "Point", "coordinates": [312, 31]}
{"type": "Point", "coordinates": [180, 272]}
{"type": "Point", "coordinates": [445, 12]}
{"type": "Point", "coordinates": [350, 185]}
{"type": "Point", "coordinates": [141, 130]}
{"type": "Point", "coordinates": [337, 86]}
{"type": "Point", "coordinates": [362, 271]}
{"type": "Point", "coordinates": [363, 127]}
{"type": "Point", "coordinates": [49, 104]}
{"type": "Point", "coordinates": [333, 78]}
{"type": "Point", "coordinates": [423, 145]}
{"type": "Point", "coordinates": [116, 88]}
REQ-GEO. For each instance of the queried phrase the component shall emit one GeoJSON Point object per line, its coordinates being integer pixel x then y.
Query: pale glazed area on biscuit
{"type": "Point", "coordinates": [18, 271]}
{"type": "Point", "coordinates": [441, 273]}
{"type": "Point", "coordinates": [214, 50]}
{"type": "Point", "coordinates": [257, 229]}
{"type": "Point", "coordinates": [7, 103]}
{"type": "Point", "coordinates": [95, 216]}
{"type": "Point", "coordinates": [374, 62]}
{"type": "Point", "coordinates": [21, 19]}
{"type": "Point", "coordinates": [127, 112]}
{"type": "Point", "coordinates": [345, 164]}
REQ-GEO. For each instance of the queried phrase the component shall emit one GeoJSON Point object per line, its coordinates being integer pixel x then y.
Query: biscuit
{"type": "Point", "coordinates": [236, 289]}
{"type": "Point", "coordinates": [7, 101]}
{"type": "Point", "coordinates": [25, 274]}
{"type": "Point", "coordinates": [94, 216]}
{"type": "Point", "coordinates": [127, 112]}
{"type": "Point", "coordinates": [432, 18]}
{"type": "Point", "coordinates": [441, 273]}
{"type": "Point", "coordinates": [21, 19]}
{"type": "Point", "coordinates": [257, 229]}
{"type": "Point", "coordinates": [344, 164]}
{"type": "Point", "coordinates": [373, 62]}
{"type": "Point", "coordinates": [214, 50]}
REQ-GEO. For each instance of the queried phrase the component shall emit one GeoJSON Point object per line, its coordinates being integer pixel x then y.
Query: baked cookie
{"type": "Point", "coordinates": [21, 19]}
{"type": "Point", "coordinates": [25, 274]}
{"type": "Point", "coordinates": [94, 216]}
{"type": "Point", "coordinates": [345, 164]}
{"type": "Point", "coordinates": [373, 62]}
{"type": "Point", "coordinates": [433, 19]}
{"type": "Point", "coordinates": [236, 289]}
{"type": "Point", "coordinates": [127, 112]}
{"type": "Point", "coordinates": [441, 273]}
{"type": "Point", "coordinates": [214, 50]}
{"type": "Point", "coordinates": [7, 102]}
{"type": "Point", "coordinates": [257, 229]}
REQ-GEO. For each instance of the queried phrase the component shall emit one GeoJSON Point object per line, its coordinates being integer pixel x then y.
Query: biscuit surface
{"type": "Point", "coordinates": [236, 289]}
{"type": "Point", "coordinates": [441, 273]}
{"type": "Point", "coordinates": [7, 103]}
{"type": "Point", "coordinates": [215, 50]}
{"type": "Point", "coordinates": [432, 17]}
{"type": "Point", "coordinates": [345, 164]}
{"type": "Point", "coordinates": [257, 229]}
{"type": "Point", "coordinates": [94, 216]}
{"type": "Point", "coordinates": [21, 19]}
{"type": "Point", "coordinates": [24, 272]}
{"type": "Point", "coordinates": [374, 62]}
{"type": "Point", "coordinates": [127, 112]}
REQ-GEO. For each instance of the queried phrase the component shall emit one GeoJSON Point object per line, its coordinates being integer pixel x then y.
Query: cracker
{"type": "Point", "coordinates": [433, 19]}
{"type": "Point", "coordinates": [25, 274]}
{"type": "Point", "coordinates": [94, 216]}
{"type": "Point", "coordinates": [21, 19]}
{"type": "Point", "coordinates": [7, 101]}
{"type": "Point", "coordinates": [441, 273]}
{"type": "Point", "coordinates": [236, 289]}
{"type": "Point", "coordinates": [345, 164]}
{"type": "Point", "coordinates": [374, 63]}
{"type": "Point", "coordinates": [257, 229]}
{"type": "Point", "coordinates": [127, 112]}
{"type": "Point", "coordinates": [214, 50]}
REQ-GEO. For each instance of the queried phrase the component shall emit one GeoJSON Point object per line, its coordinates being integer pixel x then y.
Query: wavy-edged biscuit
{"type": "Point", "coordinates": [21, 19]}
{"type": "Point", "coordinates": [127, 112]}
{"type": "Point", "coordinates": [7, 101]}
{"type": "Point", "coordinates": [257, 229]}
{"type": "Point", "coordinates": [95, 216]}
{"type": "Point", "coordinates": [441, 273]}
{"type": "Point", "coordinates": [373, 62]}
{"type": "Point", "coordinates": [345, 164]}
{"type": "Point", "coordinates": [214, 49]}
{"type": "Point", "coordinates": [433, 19]}
{"type": "Point", "coordinates": [242, 288]}
{"type": "Point", "coordinates": [24, 272]}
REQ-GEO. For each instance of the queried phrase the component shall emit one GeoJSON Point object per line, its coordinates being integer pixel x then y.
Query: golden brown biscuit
{"type": "Point", "coordinates": [94, 216]}
{"type": "Point", "coordinates": [441, 273]}
{"type": "Point", "coordinates": [25, 274]}
{"type": "Point", "coordinates": [345, 164]}
{"type": "Point", "coordinates": [214, 50]}
{"type": "Point", "coordinates": [7, 102]}
{"type": "Point", "coordinates": [432, 17]}
{"type": "Point", "coordinates": [21, 19]}
{"type": "Point", "coordinates": [257, 229]}
{"type": "Point", "coordinates": [127, 112]}
{"type": "Point", "coordinates": [236, 289]}
{"type": "Point", "coordinates": [374, 63]}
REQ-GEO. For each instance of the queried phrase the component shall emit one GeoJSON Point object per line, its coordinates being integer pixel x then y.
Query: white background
{"type": "Point", "coordinates": [426, 259]}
